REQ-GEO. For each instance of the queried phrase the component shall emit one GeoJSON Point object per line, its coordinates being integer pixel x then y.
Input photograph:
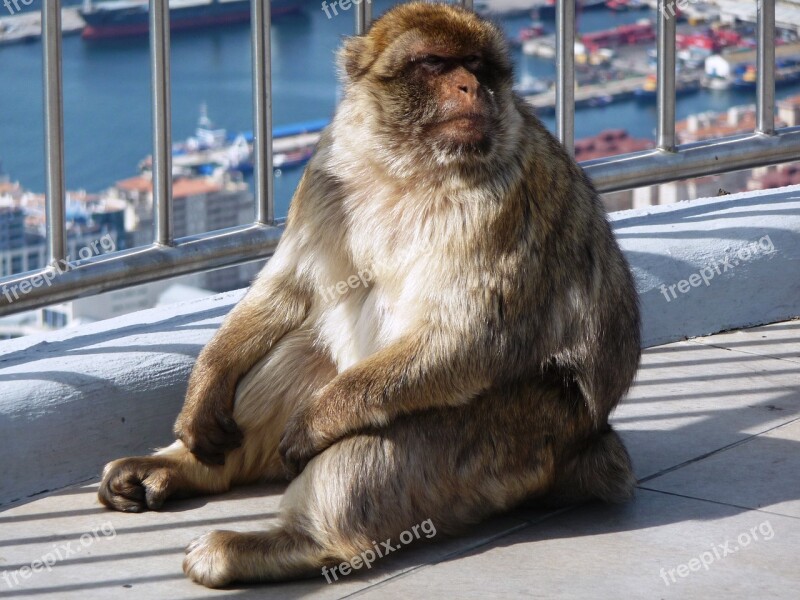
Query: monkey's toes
{"type": "Point", "coordinates": [210, 559]}
{"type": "Point", "coordinates": [135, 484]}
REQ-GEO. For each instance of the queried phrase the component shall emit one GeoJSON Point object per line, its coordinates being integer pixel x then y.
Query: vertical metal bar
{"type": "Point", "coordinates": [665, 103]}
{"type": "Point", "coordinates": [765, 68]}
{"type": "Point", "coordinates": [565, 73]}
{"type": "Point", "coordinates": [468, 4]}
{"type": "Point", "coordinates": [162, 120]}
{"type": "Point", "coordinates": [261, 23]}
{"type": "Point", "coordinates": [54, 131]}
{"type": "Point", "coordinates": [363, 16]}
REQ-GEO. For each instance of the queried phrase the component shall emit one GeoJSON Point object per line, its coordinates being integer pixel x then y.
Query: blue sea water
{"type": "Point", "coordinates": [107, 93]}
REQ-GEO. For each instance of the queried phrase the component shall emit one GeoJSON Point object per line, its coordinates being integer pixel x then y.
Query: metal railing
{"type": "Point", "coordinates": [168, 257]}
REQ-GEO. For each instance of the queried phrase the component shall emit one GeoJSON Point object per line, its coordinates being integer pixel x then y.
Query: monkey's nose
{"type": "Point", "coordinates": [469, 89]}
{"type": "Point", "coordinates": [464, 82]}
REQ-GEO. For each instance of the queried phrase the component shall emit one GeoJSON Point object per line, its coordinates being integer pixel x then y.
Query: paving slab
{"type": "Point", "coordinates": [691, 399]}
{"type": "Point", "coordinates": [650, 548]}
{"type": "Point", "coordinates": [761, 473]}
{"type": "Point", "coordinates": [777, 340]}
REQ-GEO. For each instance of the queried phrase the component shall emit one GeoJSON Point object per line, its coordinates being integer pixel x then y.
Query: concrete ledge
{"type": "Point", "coordinates": [73, 399]}
{"type": "Point", "coordinates": [747, 246]}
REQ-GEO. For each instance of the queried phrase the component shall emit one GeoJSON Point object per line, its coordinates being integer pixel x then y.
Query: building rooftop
{"type": "Point", "coordinates": [710, 125]}
{"type": "Point", "coordinates": [712, 425]}
{"type": "Point", "coordinates": [608, 143]}
{"type": "Point", "coordinates": [789, 175]}
{"type": "Point", "coordinates": [181, 188]}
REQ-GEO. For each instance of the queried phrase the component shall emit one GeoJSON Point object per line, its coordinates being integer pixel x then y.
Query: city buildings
{"type": "Point", "coordinates": [116, 219]}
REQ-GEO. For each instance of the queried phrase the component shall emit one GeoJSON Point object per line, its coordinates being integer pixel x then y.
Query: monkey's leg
{"type": "Point", "coordinates": [429, 473]}
{"type": "Point", "coordinates": [447, 468]}
{"type": "Point", "coordinates": [265, 398]}
{"type": "Point", "coordinates": [600, 470]}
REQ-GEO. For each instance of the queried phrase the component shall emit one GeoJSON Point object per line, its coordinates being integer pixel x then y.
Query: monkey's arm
{"type": "Point", "coordinates": [415, 373]}
{"type": "Point", "coordinates": [274, 305]}
{"type": "Point", "coordinates": [277, 302]}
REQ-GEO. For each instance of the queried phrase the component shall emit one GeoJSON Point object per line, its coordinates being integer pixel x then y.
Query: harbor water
{"type": "Point", "coordinates": [107, 93]}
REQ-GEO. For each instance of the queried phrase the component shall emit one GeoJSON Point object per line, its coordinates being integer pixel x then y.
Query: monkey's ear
{"type": "Point", "coordinates": [355, 57]}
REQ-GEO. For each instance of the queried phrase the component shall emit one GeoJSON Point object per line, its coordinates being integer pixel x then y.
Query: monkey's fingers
{"type": "Point", "coordinates": [210, 442]}
{"type": "Point", "coordinates": [296, 450]}
{"type": "Point", "coordinates": [135, 484]}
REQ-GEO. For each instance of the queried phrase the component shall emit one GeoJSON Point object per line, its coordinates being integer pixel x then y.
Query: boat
{"type": "Point", "coordinates": [487, 9]}
{"type": "Point", "coordinates": [121, 18]}
{"type": "Point", "coordinates": [535, 30]}
{"type": "Point", "coordinates": [648, 92]}
{"type": "Point", "coordinates": [292, 159]}
{"type": "Point", "coordinates": [547, 9]}
{"type": "Point", "coordinates": [787, 71]}
{"type": "Point", "coordinates": [530, 86]}
{"type": "Point", "coordinates": [625, 5]}
{"type": "Point", "coordinates": [596, 101]}
{"type": "Point", "coordinates": [717, 83]}
{"type": "Point", "coordinates": [211, 150]}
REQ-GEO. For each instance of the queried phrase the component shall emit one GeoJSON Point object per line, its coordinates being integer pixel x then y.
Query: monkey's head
{"type": "Point", "coordinates": [434, 83]}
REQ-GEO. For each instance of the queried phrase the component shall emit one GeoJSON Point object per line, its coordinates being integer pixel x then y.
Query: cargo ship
{"type": "Point", "coordinates": [211, 149]}
{"type": "Point", "coordinates": [119, 18]}
{"type": "Point", "coordinates": [546, 11]}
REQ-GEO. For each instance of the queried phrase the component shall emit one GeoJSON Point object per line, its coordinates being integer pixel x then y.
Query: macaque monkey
{"type": "Point", "coordinates": [440, 335]}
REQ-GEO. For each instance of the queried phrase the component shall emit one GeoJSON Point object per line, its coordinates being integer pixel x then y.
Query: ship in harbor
{"type": "Point", "coordinates": [546, 11]}
{"type": "Point", "coordinates": [213, 149]}
{"type": "Point", "coordinates": [118, 18]}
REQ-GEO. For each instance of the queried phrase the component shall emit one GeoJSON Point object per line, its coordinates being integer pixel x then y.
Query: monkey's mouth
{"type": "Point", "coordinates": [470, 120]}
{"type": "Point", "coordinates": [468, 128]}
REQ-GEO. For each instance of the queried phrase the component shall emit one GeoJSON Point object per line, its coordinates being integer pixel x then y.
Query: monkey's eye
{"type": "Point", "coordinates": [432, 62]}
{"type": "Point", "coordinates": [473, 62]}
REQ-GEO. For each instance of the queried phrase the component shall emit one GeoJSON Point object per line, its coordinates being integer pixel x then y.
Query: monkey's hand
{"type": "Point", "coordinates": [206, 426]}
{"type": "Point", "coordinates": [303, 439]}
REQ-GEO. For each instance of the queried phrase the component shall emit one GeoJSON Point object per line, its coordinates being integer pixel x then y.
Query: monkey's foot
{"type": "Point", "coordinates": [137, 484]}
{"type": "Point", "coordinates": [210, 559]}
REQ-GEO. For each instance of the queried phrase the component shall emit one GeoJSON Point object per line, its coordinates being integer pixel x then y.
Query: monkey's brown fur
{"type": "Point", "coordinates": [476, 366]}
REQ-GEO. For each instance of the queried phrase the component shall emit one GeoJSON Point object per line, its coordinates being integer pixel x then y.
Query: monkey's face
{"type": "Point", "coordinates": [438, 80]}
{"type": "Point", "coordinates": [444, 97]}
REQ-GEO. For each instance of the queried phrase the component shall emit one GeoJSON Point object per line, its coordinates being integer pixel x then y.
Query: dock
{"type": "Point", "coordinates": [27, 27]}
{"type": "Point", "coordinates": [590, 95]}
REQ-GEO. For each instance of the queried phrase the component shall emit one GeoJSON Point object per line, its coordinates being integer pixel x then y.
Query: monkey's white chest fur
{"type": "Point", "coordinates": [398, 261]}
{"type": "Point", "coordinates": [380, 296]}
